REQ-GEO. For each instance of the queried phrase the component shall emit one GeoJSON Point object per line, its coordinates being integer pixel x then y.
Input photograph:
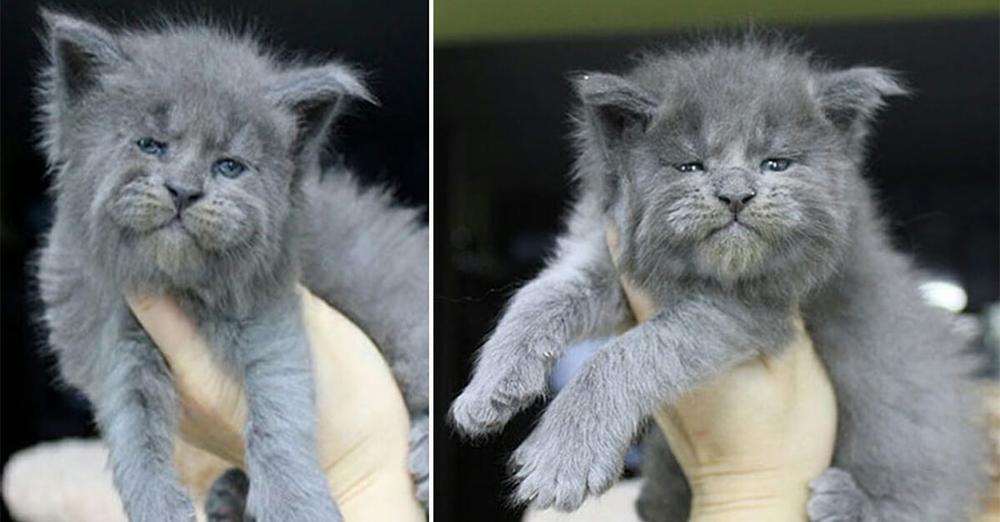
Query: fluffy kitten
{"type": "Point", "coordinates": [732, 172]}
{"type": "Point", "coordinates": [186, 160]}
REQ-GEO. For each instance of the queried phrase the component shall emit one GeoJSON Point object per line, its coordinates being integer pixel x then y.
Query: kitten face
{"type": "Point", "coordinates": [738, 179]}
{"type": "Point", "coordinates": [185, 181]}
{"type": "Point", "coordinates": [727, 162]}
{"type": "Point", "coordinates": [179, 150]}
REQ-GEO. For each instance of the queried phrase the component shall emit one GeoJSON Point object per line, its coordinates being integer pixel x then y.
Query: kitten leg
{"type": "Point", "coordinates": [411, 373]}
{"type": "Point", "coordinates": [137, 412]}
{"type": "Point", "coordinates": [909, 440]}
{"type": "Point", "coordinates": [578, 447]}
{"type": "Point", "coordinates": [906, 447]}
{"type": "Point", "coordinates": [287, 483]}
{"type": "Point", "coordinates": [578, 294]}
{"type": "Point", "coordinates": [665, 495]}
{"type": "Point", "coordinates": [419, 457]}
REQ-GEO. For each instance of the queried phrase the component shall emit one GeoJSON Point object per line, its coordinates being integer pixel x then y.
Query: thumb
{"type": "Point", "coordinates": [166, 324]}
{"type": "Point", "coordinates": [213, 404]}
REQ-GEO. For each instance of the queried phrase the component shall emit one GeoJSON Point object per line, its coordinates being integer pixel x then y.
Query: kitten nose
{"type": "Point", "coordinates": [736, 200]}
{"type": "Point", "coordinates": [182, 195]}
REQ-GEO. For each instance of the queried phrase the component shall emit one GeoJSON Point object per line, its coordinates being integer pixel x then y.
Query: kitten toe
{"type": "Point", "coordinates": [485, 409]}
{"type": "Point", "coordinates": [474, 415]}
{"type": "Point", "coordinates": [554, 471]}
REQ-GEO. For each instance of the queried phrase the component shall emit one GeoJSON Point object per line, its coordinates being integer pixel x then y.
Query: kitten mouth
{"type": "Point", "coordinates": [173, 226]}
{"type": "Point", "coordinates": [734, 226]}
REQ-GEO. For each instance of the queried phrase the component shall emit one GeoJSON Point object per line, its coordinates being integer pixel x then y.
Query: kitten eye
{"type": "Point", "coordinates": [776, 164]}
{"type": "Point", "coordinates": [151, 146]}
{"type": "Point", "coordinates": [694, 166]}
{"type": "Point", "coordinates": [228, 167]}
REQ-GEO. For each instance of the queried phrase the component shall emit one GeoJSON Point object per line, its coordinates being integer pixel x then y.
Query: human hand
{"type": "Point", "coordinates": [362, 423]}
{"type": "Point", "coordinates": [752, 439]}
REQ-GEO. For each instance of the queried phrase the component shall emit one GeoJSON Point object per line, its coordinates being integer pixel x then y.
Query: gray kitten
{"type": "Point", "coordinates": [186, 161]}
{"type": "Point", "coordinates": [733, 173]}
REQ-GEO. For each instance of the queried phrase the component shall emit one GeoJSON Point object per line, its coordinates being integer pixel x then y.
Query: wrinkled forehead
{"type": "Point", "coordinates": [217, 117]}
{"type": "Point", "coordinates": [715, 112]}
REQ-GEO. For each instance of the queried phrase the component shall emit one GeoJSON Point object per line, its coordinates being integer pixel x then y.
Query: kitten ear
{"type": "Point", "coordinates": [853, 96]}
{"type": "Point", "coordinates": [614, 106]}
{"type": "Point", "coordinates": [317, 95]}
{"type": "Point", "coordinates": [81, 53]}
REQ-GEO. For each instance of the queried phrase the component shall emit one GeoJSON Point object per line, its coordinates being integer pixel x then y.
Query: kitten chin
{"type": "Point", "coordinates": [731, 253]}
{"type": "Point", "coordinates": [175, 253]}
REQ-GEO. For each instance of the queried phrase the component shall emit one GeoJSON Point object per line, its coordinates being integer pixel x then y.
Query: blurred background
{"type": "Point", "coordinates": [501, 99]}
{"type": "Point", "coordinates": [388, 39]}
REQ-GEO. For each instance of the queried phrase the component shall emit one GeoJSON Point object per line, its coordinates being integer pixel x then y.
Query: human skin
{"type": "Point", "coordinates": [751, 439]}
{"type": "Point", "coordinates": [363, 425]}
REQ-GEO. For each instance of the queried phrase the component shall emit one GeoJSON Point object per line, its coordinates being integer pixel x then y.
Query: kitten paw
{"type": "Point", "coordinates": [559, 470]}
{"type": "Point", "coordinates": [836, 497]}
{"type": "Point", "coordinates": [419, 458]}
{"type": "Point", "coordinates": [484, 407]}
{"type": "Point", "coordinates": [226, 499]}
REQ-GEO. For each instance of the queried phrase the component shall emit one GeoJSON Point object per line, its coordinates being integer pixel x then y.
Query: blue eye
{"type": "Point", "coordinates": [775, 164]}
{"type": "Point", "coordinates": [228, 167]}
{"type": "Point", "coordinates": [694, 166]}
{"type": "Point", "coordinates": [151, 146]}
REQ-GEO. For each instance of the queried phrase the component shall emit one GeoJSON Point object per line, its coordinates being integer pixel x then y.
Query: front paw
{"type": "Point", "coordinates": [489, 401]}
{"type": "Point", "coordinates": [836, 497]}
{"type": "Point", "coordinates": [559, 468]}
{"type": "Point", "coordinates": [419, 457]}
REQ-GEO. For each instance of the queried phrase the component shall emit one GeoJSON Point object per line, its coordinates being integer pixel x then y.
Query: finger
{"type": "Point", "coordinates": [311, 305]}
{"type": "Point", "coordinates": [166, 324]}
{"type": "Point", "coordinates": [322, 322]}
{"type": "Point", "coordinates": [212, 401]}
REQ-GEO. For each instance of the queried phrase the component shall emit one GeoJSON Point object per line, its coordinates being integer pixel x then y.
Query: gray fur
{"type": "Point", "coordinates": [226, 498]}
{"type": "Point", "coordinates": [666, 494]}
{"type": "Point", "coordinates": [230, 257]}
{"type": "Point", "coordinates": [811, 238]}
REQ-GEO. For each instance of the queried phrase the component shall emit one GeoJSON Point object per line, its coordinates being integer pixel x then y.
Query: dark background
{"type": "Point", "coordinates": [501, 186]}
{"type": "Point", "coordinates": [390, 143]}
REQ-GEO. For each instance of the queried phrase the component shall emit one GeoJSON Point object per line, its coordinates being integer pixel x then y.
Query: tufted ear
{"type": "Point", "coordinates": [81, 53]}
{"type": "Point", "coordinates": [614, 106]}
{"type": "Point", "coordinates": [317, 95]}
{"type": "Point", "coordinates": [850, 98]}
